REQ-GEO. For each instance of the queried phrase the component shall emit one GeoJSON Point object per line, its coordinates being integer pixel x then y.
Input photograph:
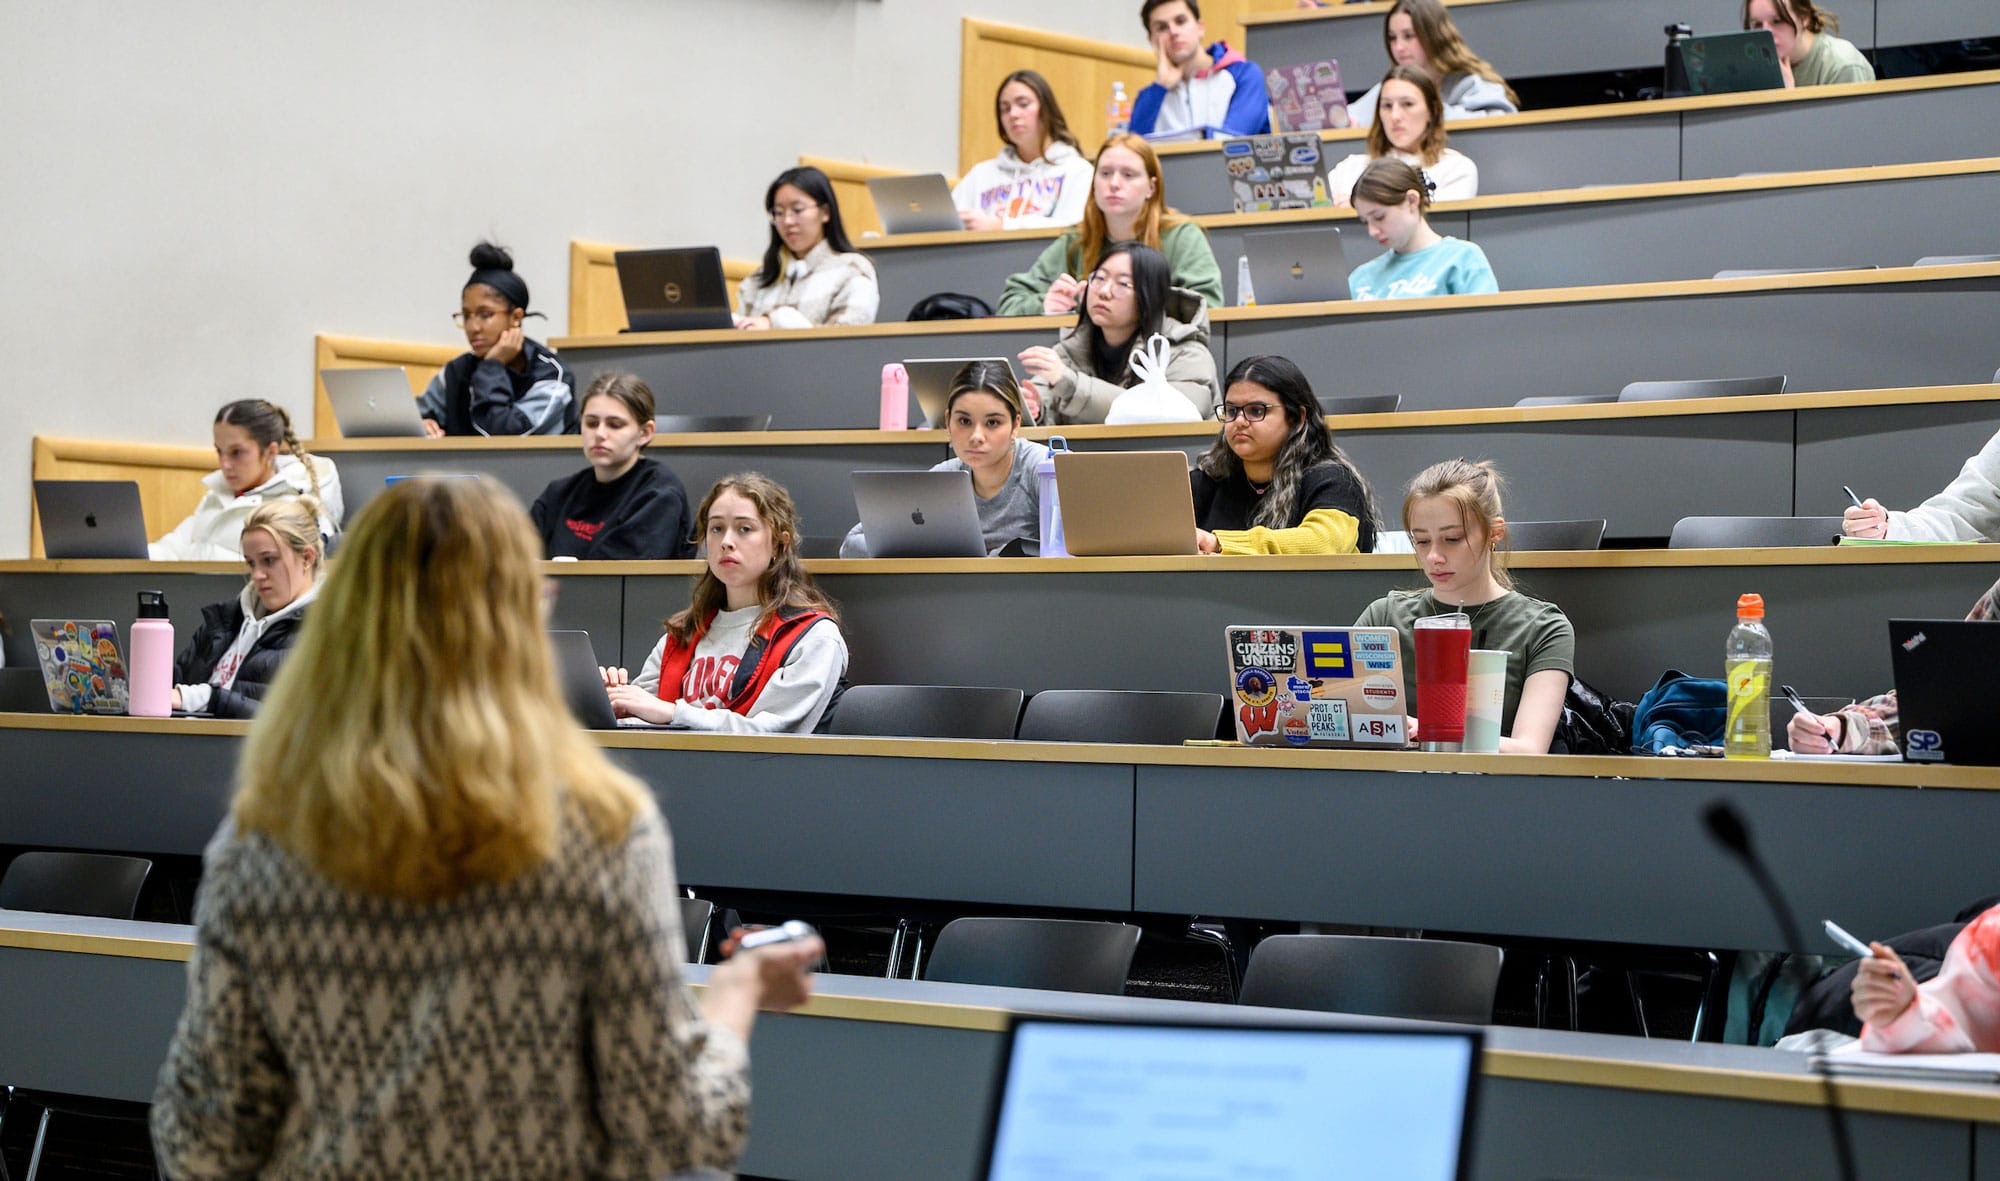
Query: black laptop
{"type": "Point", "coordinates": [1946, 673]}
{"type": "Point", "coordinates": [1122, 1101]}
{"type": "Point", "coordinates": [676, 290]}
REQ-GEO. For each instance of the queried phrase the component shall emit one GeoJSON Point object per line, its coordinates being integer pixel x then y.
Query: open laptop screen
{"type": "Point", "coordinates": [1121, 1101]}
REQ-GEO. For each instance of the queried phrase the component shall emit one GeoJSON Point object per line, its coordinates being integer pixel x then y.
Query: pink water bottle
{"type": "Point", "coordinates": [151, 676]}
{"type": "Point", "coordinates": [895, 397]}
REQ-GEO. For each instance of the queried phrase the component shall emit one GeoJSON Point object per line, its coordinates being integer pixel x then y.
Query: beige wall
{"type": "Point", "coordinates": [192, 191]}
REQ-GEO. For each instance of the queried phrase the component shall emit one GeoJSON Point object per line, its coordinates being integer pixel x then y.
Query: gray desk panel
{"type": "Point", "coordinates": [1899, 458]}
{"type": "Point", "coordinates": [1918, 22]}
{"type": "Point", "coordinates": [906, 274]}
{"type": "Point", "coordinates": [125, 793]}
{"type": "Point", "coordinates": [997, 833]}
{"type": "Point", "coordinates": [1866, 336]}
{"type": "Point", "coordinates": [1693, 237]}
{"type": "Point", "coordinates": [1909, 127]}
{"type": "Point", "coordinates": [1716, 464]}
{"type": "Point", "coordinates": [812, 384]}
{"type": "Point", "coordinates": [1462, 853]}
{"type": "Point", "coordinates": [89, 1024]}
{"type": "Point", "coordinates": [816, 476]}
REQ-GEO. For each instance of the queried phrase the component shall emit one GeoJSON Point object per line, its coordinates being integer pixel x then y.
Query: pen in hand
{"type": "Point", "coordinates": [1851, 496]}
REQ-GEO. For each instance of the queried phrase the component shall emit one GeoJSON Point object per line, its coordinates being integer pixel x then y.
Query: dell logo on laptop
{"type": "Point", "coordinates": [672, 291]}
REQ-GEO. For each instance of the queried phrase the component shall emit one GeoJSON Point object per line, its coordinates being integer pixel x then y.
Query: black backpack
{"type": "Point", "coordinates": [950, 305]}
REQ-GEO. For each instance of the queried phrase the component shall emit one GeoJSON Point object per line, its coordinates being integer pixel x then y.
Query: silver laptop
{"type": "Point", "coordinates": [1118, 504]}
{"type": "Point", "coordinates": [373, 403]}
{"type": "Point", "coordinates": [674, 290]}
{"type": "Point", "coordinates": [914, 204]}
{"type": "Point", "coordinates": [91, 518]}
{"type": "Point", "coordinates": [582, 684]}
{"type": "Point", "coordinates": [919, 514]}
{"type": "Point", "coordinates": [1297, 266]}
{"type": "Point", "coordinates": [930, 382]}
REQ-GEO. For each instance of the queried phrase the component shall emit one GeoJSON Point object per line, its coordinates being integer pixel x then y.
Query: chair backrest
{"type": "Point", "coordinates": [1120, 715]}
{"type": "Point", "coordinates": [1067, 955]}
{"type": "Point", "coordinates": [1421, 979]}
{"type": "Point", "coordinates": [1534, 535]}
{"type": "Point", "coordinates": [1772, 272]}
{"type": "Point", "coordinates": [22, 691]}
{"type": "Point", "coordinates": [1362, 404]}
{"type": "Point", "coordinates": [1752, 532]}
{"type": "Point", "coordinates": [1565, 399]}
{"type": "Point", "coordinates": [697, 916]}
{"type": "Point", "coordinates": [95, 884]}
{"type": "Point", "coordinates": [819, 545]}
{"type": "Point", "coordinates": [1712, 387]}
{"type": "Point", "coordinates": [1952, 260]}
{"type": "Point", "coordinates": [929, 711]}
{"type": "Point", "coordinates": [688, 424]}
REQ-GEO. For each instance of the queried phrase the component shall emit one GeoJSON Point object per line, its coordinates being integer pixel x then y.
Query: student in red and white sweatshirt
{"type": "Point", "coordinates": [759, 650]}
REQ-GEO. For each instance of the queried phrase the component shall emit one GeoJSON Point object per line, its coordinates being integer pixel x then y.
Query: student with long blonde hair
{"type": "Point", "coordinates": [1128, 204]}
{"type": "Point", "coordinates": [759, 649]}
{"type": "Point", "coordinates": [439, 932]}
{"type": "Point", "coordinates": [1421, 33]}
{"type": "Point", "coordinates": [232, 658]}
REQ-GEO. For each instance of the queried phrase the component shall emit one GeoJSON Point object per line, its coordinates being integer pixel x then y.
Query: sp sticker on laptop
{"type": "Point", "coordinates": [1317, 686]}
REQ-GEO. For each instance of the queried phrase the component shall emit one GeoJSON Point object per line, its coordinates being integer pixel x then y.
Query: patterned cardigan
{"type": "Point", "coordinates": [538, 1028]}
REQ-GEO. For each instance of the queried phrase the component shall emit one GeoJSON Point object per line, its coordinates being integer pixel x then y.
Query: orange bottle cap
{"type": "Point", "coordinates": [1750, 607]}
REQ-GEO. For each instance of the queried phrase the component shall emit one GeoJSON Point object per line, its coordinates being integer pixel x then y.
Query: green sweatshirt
{"type": "Point", "coordinates": [1188, 257]}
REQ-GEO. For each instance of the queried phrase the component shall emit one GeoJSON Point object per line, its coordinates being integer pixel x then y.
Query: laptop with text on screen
{"type": "Point", "coordinates": [1131, 1101]}
{"type": "Point", "coordinates": [1946, 671]}
{"type": "Point", "coordinates": [1124, 504]}
{"type": "Point", "coordinates": [1317, 686]}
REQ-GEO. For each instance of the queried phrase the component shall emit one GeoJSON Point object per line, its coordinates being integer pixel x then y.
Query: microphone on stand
{"type": "Point", "coordinates": [1727, 827]}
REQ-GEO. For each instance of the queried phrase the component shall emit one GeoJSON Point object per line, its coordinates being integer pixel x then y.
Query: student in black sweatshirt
{"type": "Point", "coordinates": [623, 507]}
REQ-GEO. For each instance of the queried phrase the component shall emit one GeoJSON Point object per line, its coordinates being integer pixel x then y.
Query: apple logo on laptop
{"type": "Point", "coordinates": [917, 517]}
{"type": "Point", "coordinates": [90, 519]}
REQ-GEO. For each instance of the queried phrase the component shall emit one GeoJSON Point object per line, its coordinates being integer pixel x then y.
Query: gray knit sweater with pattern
{"type": "Point", "coordinates": [539, 1028]}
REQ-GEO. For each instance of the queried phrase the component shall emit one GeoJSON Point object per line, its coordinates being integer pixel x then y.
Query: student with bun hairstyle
{"type": "Point", "coordinates": [1127, 299]}
{"type": "Point", "coordinates": [1040, 178]}
{"type": "Point", "coordinates": [507, 384]}
{"type": "Point", "coordinates": [438, 934]}
{"type": "Point", "coordinates": [259, 460]}
{"type": "Point", "coordinates": [1452, 511]}
{"type": "Point", "coordinates": [1390, 198]}
{"type": "Point", "coordinates": [1128, 204]}
{"type": "Point", "coordinates": [759, 650]}
{"type": "Point", "coordinates": [811, 275]}
{"type": "Point", "coordinates": [984, 413]}
{"type": "Point", "coordinates": [1421, 33]}
{"type": "Point", "coordinates": [1808, 52]}
{"type": "Point", "coordinates": [1409, 126]}
{"type": "Point", "coordinates": [1275, 482]}
{"type": "Point", "coordinates": [624, 506]}
{"type": "Point", "coordinates": [233, 657]}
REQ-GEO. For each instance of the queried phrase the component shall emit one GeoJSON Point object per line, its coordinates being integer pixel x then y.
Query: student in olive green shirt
{"type": "Point", "coordinates": [1452, 510]}
{"type": "Point", "coordinates": [1126, 205]}
{"type": "Point", "coordinates": [1808, 52]}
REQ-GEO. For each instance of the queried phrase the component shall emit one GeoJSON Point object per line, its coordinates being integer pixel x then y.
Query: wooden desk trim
{"type": "Point", "coordinates": [1608, 767]}
{"type": "Point", "coordinates": [1375, 8]}
{"type": "Point", "coordinates": [1884, 1096]}
{"type": "Point", "coordinates": [1664, 106]}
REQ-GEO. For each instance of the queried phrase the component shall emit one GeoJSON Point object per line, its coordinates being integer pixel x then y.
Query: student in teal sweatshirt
{"type": "Point", "coordinates": [1390, 198]}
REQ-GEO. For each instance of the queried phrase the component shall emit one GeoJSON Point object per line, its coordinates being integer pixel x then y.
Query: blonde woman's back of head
{"type": "Point", "coordinates": [415, 744]}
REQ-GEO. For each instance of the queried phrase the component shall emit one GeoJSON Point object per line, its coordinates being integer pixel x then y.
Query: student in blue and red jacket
{"type": "Point", "coordinates": [623, 507]}
{"type": "Point", "coordinates": [1217, 89]}
{"type": "Point", "coordinates": [759, 650]}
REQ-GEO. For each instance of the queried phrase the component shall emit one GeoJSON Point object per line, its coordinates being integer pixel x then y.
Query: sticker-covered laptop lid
{"type": "Point", "coordinates": [1312, 686]}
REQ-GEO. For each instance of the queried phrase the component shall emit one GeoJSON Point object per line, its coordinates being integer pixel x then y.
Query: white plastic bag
{"type": "Point", "coordinates": [1152, 400]}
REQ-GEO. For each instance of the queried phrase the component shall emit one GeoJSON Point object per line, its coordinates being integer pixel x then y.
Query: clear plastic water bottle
{"type": "Point", "coordinates": [1747, 661]}
{"type": "Point", "coordinates": [1119, 115]}
{"type": "Point", "coordinates": [151, 677]}
{"type": "Point", "coordinates": [1246, 295]}
{"type": "Point", "coordinates": [1045, 480]}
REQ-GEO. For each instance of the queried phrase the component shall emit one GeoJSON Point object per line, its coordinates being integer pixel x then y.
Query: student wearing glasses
{"type": "Point", "coordinates": [507, 384]}
{"type": "Point", "coordinates": [812, 275]}
{"type": "Point", "coordinates": [1127, 299]}
{"type": "Point", "coordinates": [1275, 482]}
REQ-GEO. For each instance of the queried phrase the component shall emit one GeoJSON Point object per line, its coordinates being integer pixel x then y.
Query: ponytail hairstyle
{"type": "Point", "coordinates": [1152, 283]}
{"type": "Point", "coordinates": [1308, 443]}
{"type": "Point", "coordinates": [813, 183]}
{"type": "Point", "coordinates": [293, 523]}
{"type": "Point", "coordinates": [1801, 15]}
{"type": "Point", "coordinates": [1055, 128]}
{"type": "Point", "coordinates": [267, 423]}
{"type": "Point", "coordinates": [1155, 219]}
{"type": "Point", "coordinates": [786, 588]}
{"type": "Point", "coordinates": [1475, 488]}
{"type": "Point", "coordinates": [493, 268]}
{"type": "Point", "coordinates": [1444, 46]}
{"type": "Point", "coordinates": [1432, 146]}
{"type": "Point", "coordinates": [1388, 181]}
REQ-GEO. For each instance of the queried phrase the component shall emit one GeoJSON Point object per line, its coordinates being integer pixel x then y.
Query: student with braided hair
{"type": "Point", "coordinates": [259, 460]}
